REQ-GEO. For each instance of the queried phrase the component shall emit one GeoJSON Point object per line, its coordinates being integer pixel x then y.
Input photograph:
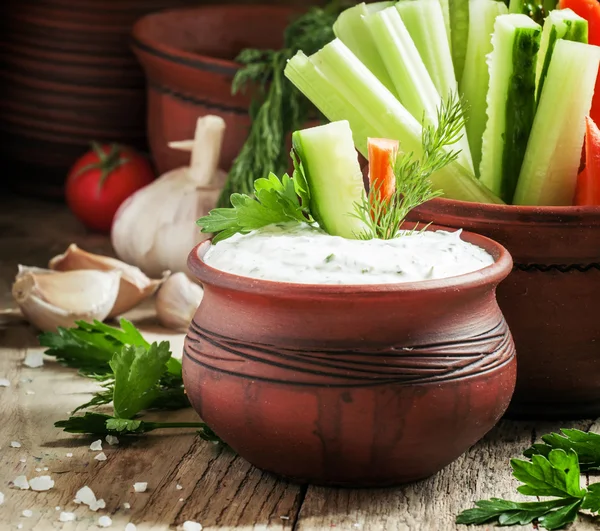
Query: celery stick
{"type": "Point", "coordinates": [445, 5]}
{"type": "Point", "coordinates": [350, 29]}
{"type": "Point", "coordinates": [342, 88]}
{"type": "Point", "coordinates": [510, 102]}
{"type": "Point", "coordinates": [459, 31]}
{"type": "Point", "coordinates": [425, 23]}
{"type": "Point", "coordinates": [475, 79]}
{"type": "Point", "coordinates": [560, 24]}
{"type": "Point", "coordinates": [413, 83]}
{"type": "Point", "coordinates": [549, 173]}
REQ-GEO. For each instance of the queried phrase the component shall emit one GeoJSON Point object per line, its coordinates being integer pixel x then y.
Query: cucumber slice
{"type": "Point", "coordinates": [560, 24]}
{"type": "Point", "coordinates": [475, 79]}
{"type": "Point", "coordinates": [333, 176]}
{"type": "Point", "coordinates": [342, 88]}
{"type": "Point", "coordinates": [549, 173]}
{"type": "Point", "coordinates": [350, 29]}
{"type": "Point", "coordinates": [459, 32]}
{"type": "Point", "coordinates": [413, 83]}
{"type": "Point", "coordinates": [510, 102]}
{"type": "Point", "coordinates": [424, 21]}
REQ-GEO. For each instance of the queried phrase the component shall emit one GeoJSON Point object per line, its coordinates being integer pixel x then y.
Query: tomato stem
{"type": "Point", "coordinates": [106, 163]}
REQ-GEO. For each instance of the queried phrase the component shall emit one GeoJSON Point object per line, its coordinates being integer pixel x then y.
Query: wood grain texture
{"type": "Point", "coordinates": [219, 489]}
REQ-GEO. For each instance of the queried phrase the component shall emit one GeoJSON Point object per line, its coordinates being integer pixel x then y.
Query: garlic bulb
{"type": "Point", "coordinates": [177, 301]}
{"type": "Point", "coordinates": [50, 298]}
{"type": "Point", "coordinates": [155, 229]}
{"type": "Point", "coordinates": [134, 288]}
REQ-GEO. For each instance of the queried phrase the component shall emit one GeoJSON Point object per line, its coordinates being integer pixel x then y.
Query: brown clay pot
{"type": "Point", "coordinates": [350, 385]}
{"type": "Point", "coordinates": [551, 299]}
{"type": "Point", "coordinates": [188, 56]}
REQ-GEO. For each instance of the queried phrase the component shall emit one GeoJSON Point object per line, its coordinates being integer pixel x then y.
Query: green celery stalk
{"type": "Point", "coordinates": [350, 29]}
{"type": "Point", "coordinates": [342, 88]}
{"type": "Point", "coordinates": [424, 21]}
{"type": "Point", "coordinates": [560, 24]}
{"type": "Point", "coordinates": [475, 79]}
{"type": "Point", "coordinates": [510, 102]}
{"type": "Point", "coordinates": [459, 32]}
{"type": "Point", "coordinates": [413, 83]}
{"type": "Point", "coordinates": [549, 172]}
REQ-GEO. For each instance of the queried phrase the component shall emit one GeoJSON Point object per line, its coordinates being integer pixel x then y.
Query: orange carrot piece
{"type": "Point", "coordinates": [588, 182]}
{"type": "Point", "coordinates": [382, 155]}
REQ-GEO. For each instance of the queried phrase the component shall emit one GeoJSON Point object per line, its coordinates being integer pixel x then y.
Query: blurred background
{"type": "Point", "coordinates": [72, 73]}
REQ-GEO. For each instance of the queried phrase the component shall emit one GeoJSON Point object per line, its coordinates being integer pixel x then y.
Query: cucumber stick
{"type": "Point", "coordinates": [424, 20]}
{"type": "Point", "coordinates": [342, 88]}
{"type": "Point", "coordinates": [549, 172]}
{"type": "Point", "coordinates": [411, 79]}
{"type": "Point", "coordinates": [459, 32]}
{"type": "Point", "coordinates": [333, 176]}
{"type": "Point", "coordinates": [560, 24]}
{"type": "Point", "coordinates": [510, 102]}
{"type": "Point", "coordinates": [350, 29]}
{"type": "Point", "coordinates": [475, 79]}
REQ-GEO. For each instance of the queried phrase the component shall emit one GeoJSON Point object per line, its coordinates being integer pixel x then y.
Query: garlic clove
{"type": "Point", "coordinates": [49, 298]}
{"type": "Point", "coordinates": [177, 301]}
{"type": "Point", "coordinates": [135, 285]}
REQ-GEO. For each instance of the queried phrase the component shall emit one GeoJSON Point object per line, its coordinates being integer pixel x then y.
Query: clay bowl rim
{"type": "Point", "coordinates": [492, 274]}
{"type": "Point", "coordinates": [195, 60]}
{"type": "Point", "coordinates": [549, 215]}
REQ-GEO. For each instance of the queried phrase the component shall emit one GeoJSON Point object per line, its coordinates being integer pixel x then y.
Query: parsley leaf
{"type": "Point", "coordinates": [137, 373]}
{"type": "Point", "coordinates": [101, 424]}
{"type": "Point", "coordinates": [587, 446]}
{"type": "Point", "coordinates": [275, 201]}
{"type": "Point", "coordinates": [556, 475]}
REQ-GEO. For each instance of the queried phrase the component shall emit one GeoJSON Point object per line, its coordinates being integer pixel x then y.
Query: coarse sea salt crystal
{"type": "Point", "coordinates": [38, 469]}
{"type": "Point", "coordinates": [96, 446]}
{"type": "Point", "coordinates": [4, 382]}
{"type": "Point", "coordinates": [1, 498]}
{"type": "Point", "coordinates": [140, 486]}
{"type": "Point", "coordinates": [69, 454]}
{"type": "Point", "coordinates": [178, 486]}
{"type": "Point", "coordinates": [41, 483]}
{"type": "Point", "coordinates": [33, 360]}
{"type": "Point", "coordinates": [112, 440]}
{"type": "Point", "coordinates": [66, 517]}
{"type": "Point", "coordinates": [20, 482]}
{"type": "Point", "coordinates": [57, 508]}
{"type": "Point", "coordinates": [100, 457]}
{"type": "Point", "coordinates": [190, 525]}
{"type": "Point", "coordinates": [27, 513]}
{"type": "Point", "coordinates": [46, 468]}
{"type": "Point", "coordinates": [15, 444]}
{"type": "Point", "coordinates": [30, 392]}
{"type": "Point", "coordinates": [86, 496]}
{"type": "Point", "coordinates": [130, 527]}
{"type": "Point", "coordinates": [126, 505]}
{"type": "Point", "coordinates": [104, 521]}
{"type": "Point", "coordinates": [23, 460]}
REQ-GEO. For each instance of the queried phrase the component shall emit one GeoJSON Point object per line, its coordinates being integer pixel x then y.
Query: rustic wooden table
{"type": "Point", "coordinates": [216, 488]}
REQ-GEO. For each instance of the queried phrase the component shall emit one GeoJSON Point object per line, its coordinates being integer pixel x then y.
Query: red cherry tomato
{"type": "Point", "coordinates": [101, 180]}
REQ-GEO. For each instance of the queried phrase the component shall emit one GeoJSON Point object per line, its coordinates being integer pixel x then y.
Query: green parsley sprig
{"type": "Point", "coordinates": [554, 471]}
{"type": "Point", "coordinates": [384, 216]}
{"type": "Point", "coordinates": [136, 376]}
{"type": "Point", "coordinates": [275, 201]}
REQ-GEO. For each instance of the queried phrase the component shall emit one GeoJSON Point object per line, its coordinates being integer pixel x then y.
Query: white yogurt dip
{"type": "Point", "coordinates": [303, 254]}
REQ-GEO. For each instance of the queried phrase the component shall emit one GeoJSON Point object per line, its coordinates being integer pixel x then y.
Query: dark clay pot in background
{"type": "Point", "coordinates": [187, 55]}
{"type": "Point", "coordinates": [350, 385]}
{"type": "Point", "coordinates": [551, 299]}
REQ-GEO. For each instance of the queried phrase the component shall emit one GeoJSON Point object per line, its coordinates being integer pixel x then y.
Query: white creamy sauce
{"type": "Point", "coordinates": [302, 254]}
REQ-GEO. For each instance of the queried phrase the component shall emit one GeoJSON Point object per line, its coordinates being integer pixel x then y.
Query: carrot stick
{"type": "Point", "coordinates": [588, 182]}
{"type": "Point", "coordinates": [382, 155]}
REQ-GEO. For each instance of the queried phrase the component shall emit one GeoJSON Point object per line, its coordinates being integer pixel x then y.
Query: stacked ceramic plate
{"type": "Point", "coordinates": [68, 77]}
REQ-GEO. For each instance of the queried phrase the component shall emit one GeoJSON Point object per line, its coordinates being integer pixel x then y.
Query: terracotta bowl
{"type": "Point", "coordinates": [350, 385]}
{"type": "Point", "coordinates": [551, 299]}
{"type": "Point", "coordinates": [188, 56]}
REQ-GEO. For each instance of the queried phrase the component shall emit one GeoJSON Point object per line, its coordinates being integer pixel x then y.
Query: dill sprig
{"type": "Point", "coordinates": [384, 216]}
{"type": "Point", "coordinates": [278, 107]}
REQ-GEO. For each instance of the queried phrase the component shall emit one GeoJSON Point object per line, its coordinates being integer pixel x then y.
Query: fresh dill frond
{"type": "Point", "coordinates": [384, 216]}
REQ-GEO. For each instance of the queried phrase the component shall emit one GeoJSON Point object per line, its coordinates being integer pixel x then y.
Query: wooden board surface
{"type": "Point", "coordinates": [218, 489]}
